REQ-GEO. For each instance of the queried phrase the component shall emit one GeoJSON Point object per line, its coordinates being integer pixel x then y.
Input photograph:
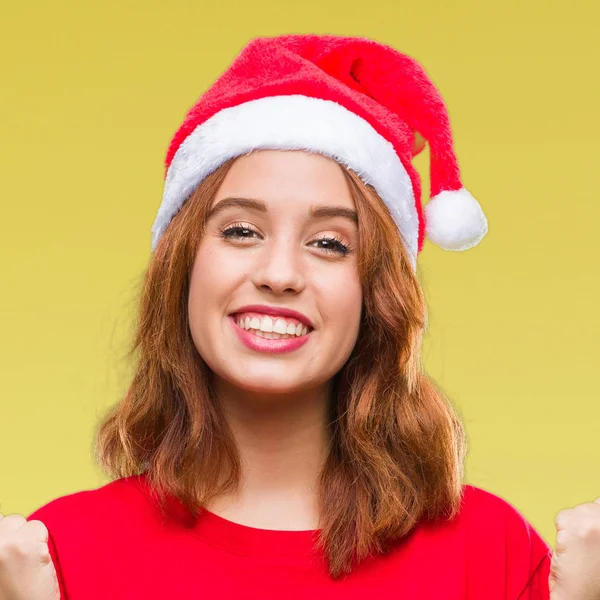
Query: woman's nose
{"type": "Point", "coordinates": [279, 269]}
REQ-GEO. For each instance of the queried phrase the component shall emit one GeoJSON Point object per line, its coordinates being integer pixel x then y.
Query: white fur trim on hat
{"type": "Point", "coordinates": [454, 220]}
{"type": "Point", "coordinates": [293, 122]}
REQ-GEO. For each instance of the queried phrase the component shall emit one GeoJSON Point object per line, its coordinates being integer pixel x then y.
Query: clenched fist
{"type": "Point", "coordinates": [575, 567]}
{"type": "Point", "coordinates": [26, 568]}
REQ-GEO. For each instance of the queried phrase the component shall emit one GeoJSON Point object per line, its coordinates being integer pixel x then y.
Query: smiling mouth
{"type": "Point", "coordinates": [271, 327]}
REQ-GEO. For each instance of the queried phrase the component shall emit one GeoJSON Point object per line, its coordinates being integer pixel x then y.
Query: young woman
{"type": "Point", "coordinates": [279, 437]}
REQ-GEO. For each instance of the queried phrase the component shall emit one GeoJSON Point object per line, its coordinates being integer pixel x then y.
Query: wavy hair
{"type": "Point", "coordinates": [398, 445]}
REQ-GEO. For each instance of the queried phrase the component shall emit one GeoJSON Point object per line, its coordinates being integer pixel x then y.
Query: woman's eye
{"type": "Point", "coordinates": [237, 231]}
{"type": "Point", "coordinates": [331, 244]}
{"type": "Point", "coordinates": [243, 232]}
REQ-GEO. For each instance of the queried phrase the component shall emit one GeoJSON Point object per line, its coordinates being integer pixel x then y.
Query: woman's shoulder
{"type": "Point", "coordinates": [114, 498]}
{"type": "Point", "coordinates": [488, 528]}
{"type": "Point", "coordinates": [499, 530]}
{"type": "Point", "coordinates": [492, 514]}
{"type": "Point", "coordinates": [487, 517]}
{"type": "Point", "coordinates": [500, 553]}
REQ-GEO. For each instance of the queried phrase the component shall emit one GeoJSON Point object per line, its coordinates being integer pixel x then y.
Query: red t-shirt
{"type": "Point", "coordinates": [114, 542]}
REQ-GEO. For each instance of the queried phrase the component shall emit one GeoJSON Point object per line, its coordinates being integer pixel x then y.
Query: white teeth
{"type": "Point", "coordinates": [280, 326]}
{"type": "Point", "coordinates": [272, 328]}
{"type": "Point", "coordinates": [266, 324]}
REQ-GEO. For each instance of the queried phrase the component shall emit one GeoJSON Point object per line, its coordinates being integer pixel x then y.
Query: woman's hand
{"type": "Point", "coordinates": [26, 568]}
{"type": "Point", "coordinates": [575, 567]}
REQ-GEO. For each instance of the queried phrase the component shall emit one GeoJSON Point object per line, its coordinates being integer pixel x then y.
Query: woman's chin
{"type": "Point", "coordinates": [269, 386]}
{"type": "Point", "coordinates": [270, 381]}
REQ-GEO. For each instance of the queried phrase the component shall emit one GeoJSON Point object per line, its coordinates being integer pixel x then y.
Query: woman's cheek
{"type": "Point", "coordinates": [342, 299]}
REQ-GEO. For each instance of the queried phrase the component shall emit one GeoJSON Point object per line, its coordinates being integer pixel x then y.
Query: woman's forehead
{"type": "Point", "coordinates": [297, 180]}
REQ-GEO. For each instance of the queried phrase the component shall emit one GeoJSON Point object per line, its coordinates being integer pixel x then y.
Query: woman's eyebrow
{"type": "Point", "coordinates": [226, 203]}
{"type": "Point", "coordinates": [316, 212]}
{"type": "Point", "coordinates": [320, 212]}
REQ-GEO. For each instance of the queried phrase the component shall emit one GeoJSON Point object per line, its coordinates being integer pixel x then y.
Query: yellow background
{"type": "Point", "coordinates": [93, 91]}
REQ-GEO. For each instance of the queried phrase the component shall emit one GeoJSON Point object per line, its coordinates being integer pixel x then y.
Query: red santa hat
{"type": "Point", "coordinates": [355, 100]}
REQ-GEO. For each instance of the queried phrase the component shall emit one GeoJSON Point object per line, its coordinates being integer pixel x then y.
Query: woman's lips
{"type": "Point", "coordinates": [260, 344]}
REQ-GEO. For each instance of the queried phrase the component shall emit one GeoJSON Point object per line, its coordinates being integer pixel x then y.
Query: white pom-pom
{"type": "Point", "coordinates": [454, 220]}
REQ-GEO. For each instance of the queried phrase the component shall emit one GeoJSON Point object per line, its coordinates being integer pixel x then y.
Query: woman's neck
{"type": "Point", "coordinates": [283, 444]}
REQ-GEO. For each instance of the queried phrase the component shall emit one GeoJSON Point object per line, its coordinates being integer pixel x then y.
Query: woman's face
{"type": "Point", "coordinates": [275, 298]}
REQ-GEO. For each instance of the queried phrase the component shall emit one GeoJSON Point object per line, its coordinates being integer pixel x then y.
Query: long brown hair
{"type": "Point", "coordinates": [398, 445]}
